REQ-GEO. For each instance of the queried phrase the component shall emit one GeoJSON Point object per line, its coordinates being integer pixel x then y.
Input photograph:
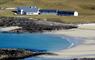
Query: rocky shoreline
{"type": "Point", "coordinates": [16, 54]}
{"type": "Point", "coordinates": [32, 25]}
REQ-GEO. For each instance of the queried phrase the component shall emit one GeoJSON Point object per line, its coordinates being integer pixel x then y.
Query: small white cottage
{"type": "Point", "coordinates": [27, 10]}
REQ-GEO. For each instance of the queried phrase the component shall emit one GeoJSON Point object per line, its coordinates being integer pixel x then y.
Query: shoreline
{"type": "Point", "coordinates": [74, 41]}
{"type": "Point", "coordinates": [21, 53]}
{"type": "Point", "coordinates": [84, 49]}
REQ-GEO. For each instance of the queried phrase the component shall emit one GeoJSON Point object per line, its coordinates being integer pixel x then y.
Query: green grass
{"type": "Point", "coordinates": [86, 9]}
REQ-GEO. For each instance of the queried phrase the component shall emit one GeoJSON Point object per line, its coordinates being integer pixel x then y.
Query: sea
{"type": "Point", "coordinates": [37, 41]}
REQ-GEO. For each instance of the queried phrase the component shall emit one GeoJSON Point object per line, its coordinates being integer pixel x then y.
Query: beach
{"type": "Point", "coordinates": [9, 28]}
{"type": "Point", "coordinates": [86, 49]}
{"type": "Point", "coordinates": [83, 45]}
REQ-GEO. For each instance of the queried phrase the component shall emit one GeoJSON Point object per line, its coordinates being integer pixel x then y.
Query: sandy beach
{"type": "Point", "coordinates": [87, 46]}
{"type": "Point", "coordinates": [9, 28]}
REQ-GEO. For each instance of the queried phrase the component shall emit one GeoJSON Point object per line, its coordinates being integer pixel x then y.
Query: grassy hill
{"type": "Point", "coordinates": [86, 8]}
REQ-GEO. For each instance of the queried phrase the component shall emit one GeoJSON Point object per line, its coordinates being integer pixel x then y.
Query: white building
{"type": "Point", "coordinates": [27, 10]}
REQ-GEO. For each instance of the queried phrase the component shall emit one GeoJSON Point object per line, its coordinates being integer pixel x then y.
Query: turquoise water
{"type": "Point", "coordinates": [33, 41]}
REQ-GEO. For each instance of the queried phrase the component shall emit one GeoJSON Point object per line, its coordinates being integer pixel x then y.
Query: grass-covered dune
{"type": "Point", "coordinates": [86, 8]}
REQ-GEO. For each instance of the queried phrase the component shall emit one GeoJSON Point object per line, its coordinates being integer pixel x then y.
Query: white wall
{"type": "Point", "coordinates": [22, 12]}
{"type": "Point", "coordinates": [32, 13]}
{"type": "Point", "coordinates": [76, 13]}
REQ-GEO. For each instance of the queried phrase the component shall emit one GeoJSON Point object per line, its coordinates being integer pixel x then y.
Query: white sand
{"type": "Point", "coordinates": [9, 28]}
{"type": "Point", "coordinates": [87, 26]}
{"type": "Point", "coordinates": [85, 49]}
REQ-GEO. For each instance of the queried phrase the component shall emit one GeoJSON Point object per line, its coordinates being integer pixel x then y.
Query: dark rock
{"type": "Point", "coordinates": [14, 54]}
{"type": "Point", "coordinates": [29, 25]}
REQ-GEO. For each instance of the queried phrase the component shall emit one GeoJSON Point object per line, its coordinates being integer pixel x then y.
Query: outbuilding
{"type": "Point", "coordinates": [67, 13]}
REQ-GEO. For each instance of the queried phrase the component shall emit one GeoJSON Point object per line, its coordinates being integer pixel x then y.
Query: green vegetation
{"type": "Point", "coordinates": [86, 9]}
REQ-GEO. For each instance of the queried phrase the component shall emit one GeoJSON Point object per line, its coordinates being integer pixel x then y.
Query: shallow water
{"type": "Point", "coordinates": [32, 41]}
{"type": "Point", "coordinates": [37, 58]}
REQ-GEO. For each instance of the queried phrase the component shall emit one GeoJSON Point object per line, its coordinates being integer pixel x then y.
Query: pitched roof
{"type": "Point", "coordinates": [28, 9]}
